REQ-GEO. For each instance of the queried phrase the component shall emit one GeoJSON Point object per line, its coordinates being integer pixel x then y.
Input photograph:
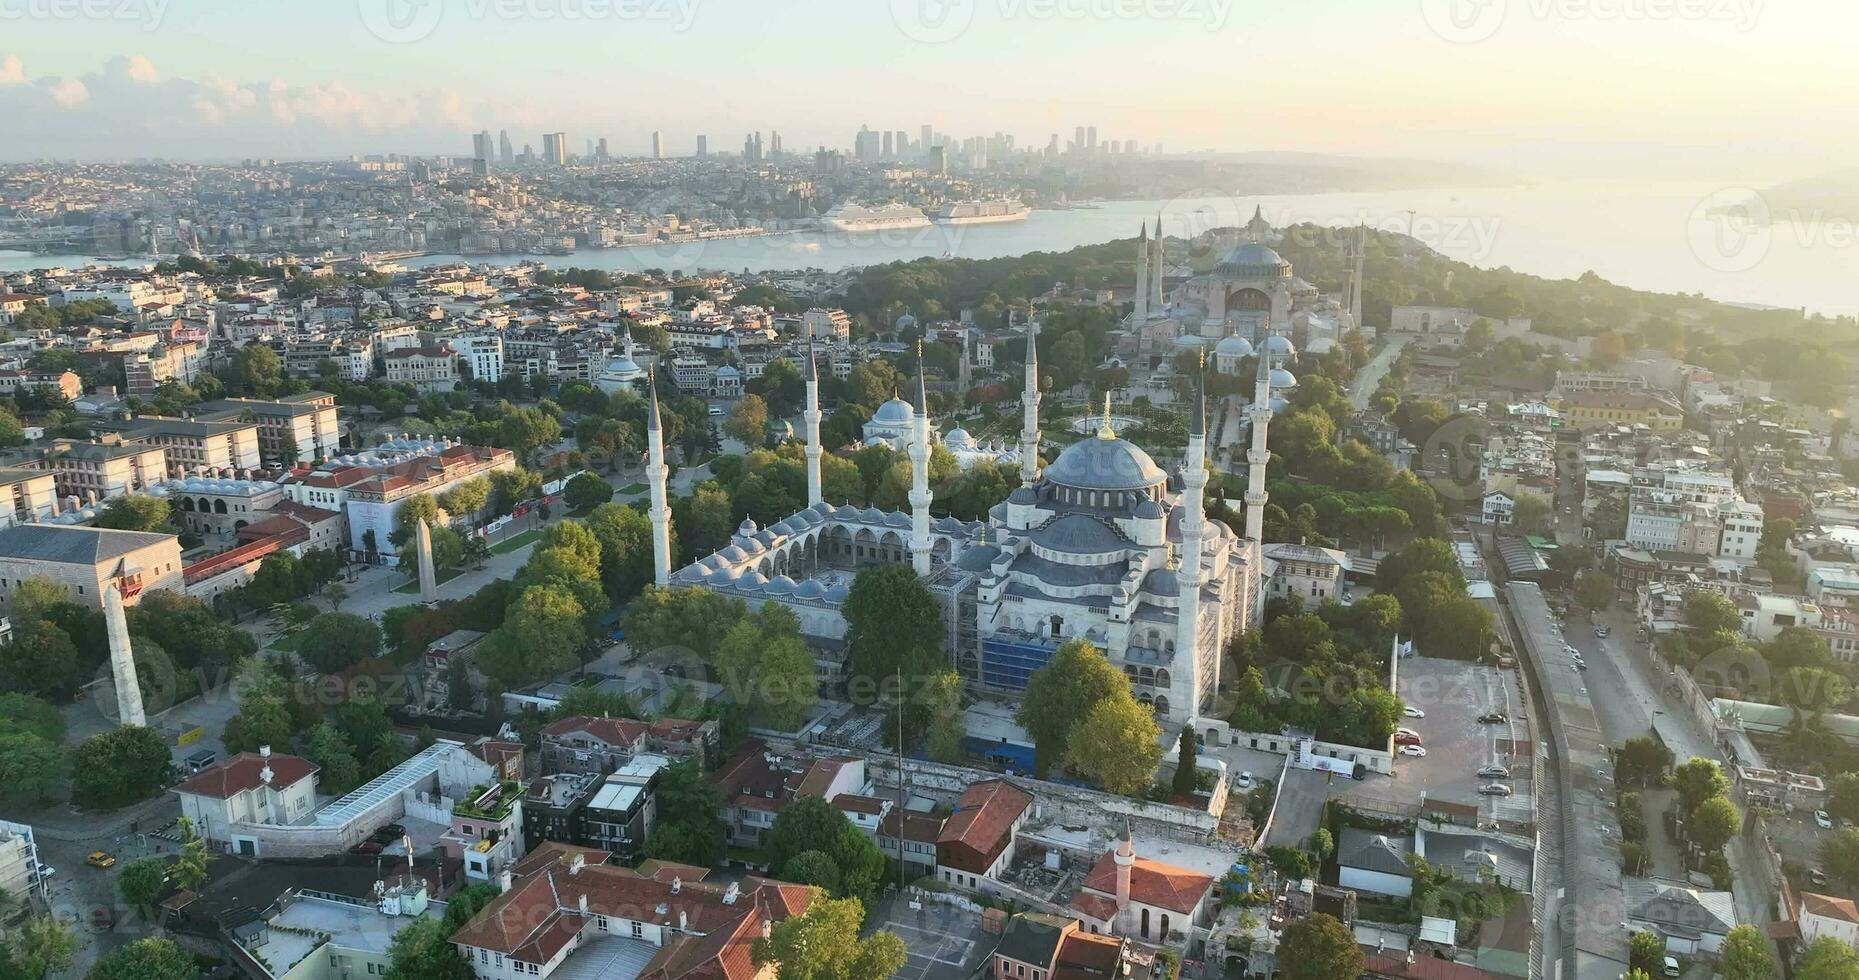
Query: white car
{"type": "Point", "coordinates": [1244, 781]}
{"type": "Point", "coordinates": [1406, 731]}
{"type": "Point", "coordinates": [1413, 712]}
{"type": "Point", "coordinates": [1823, 821]}
{"type": "Point", "coordinates": [46, 871]}
{"type": "Point", "coordinates": [1413, 750]}
{"type": "Point", "coordinates": [1494, 789]}
{"type": "Point", "coordinates": [1494, 772]}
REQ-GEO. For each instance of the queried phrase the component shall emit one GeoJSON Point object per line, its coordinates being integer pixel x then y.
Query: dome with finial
{"type": "Point", "coordinates": [894, 412]}
{"type": "Point", "coordinates": [1253, 261]}
{"type": "Point", "coordinates": [1233, 345]}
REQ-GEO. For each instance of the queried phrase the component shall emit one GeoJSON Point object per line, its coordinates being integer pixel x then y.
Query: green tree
{"type": "Point", "coordinates": [586, 491]}
{"type": "Point", "coordinates": [1645, 951]}
{"type": "Point", "coordinates": [1697, 780]}
{"type": "Point", "coordinates": [1714, 822]}
{"type": "Point", "coordinates": [1745, 955]}
{"type": "Point", "coordinates": [119, 766]}
{"type": "Point", "coordinates": [1843, 795]}
{"type": "Point", "coordinates": [29, 765]}
{"type": "Point", "coordinates": [1533, 515]}
{"type": "Point", "coordinates": [1709, 612]}
{"type": "Point", "coordinates": [466, 496]}
{"type": "Point", "coordinates": [625, 536]}
{"type": "Point", "coordinates": [889, 616]}
{"type": "Point", "coordinates": [330, 750]}
{"type": "Point", "coordinates": [1121, 753]}
{"type": "Point", "coordinates": [765, 665]}
{"type": "Point", "coordinates": [189, 869]}
{"type": "Point", "coordinates": [1642, 760]}
{"type": "Point", "coordinates": [748, 421]}
{"type": "Point", "coordinates": [147, 959]}
{"type": "Point", "coordinates": [1828, 958]}
{"type": "Point", "coordinates": [539, 638]}
{"type": "Point", "coordinates": [1839, 854]}
{"type": "Point", "coordinates": [143, 883]}
{"type": "Point", "coordinates": [407, 516]}
{"type": "Point", "coordinates": [41, 660]}
{"type": "Point", "coordinates": [1183, 784]}
{"type": "Point", "coordinates": [815, 868]}
{"type": "Point", "coordinates": [689, 618]}
{"type": "Point", "coordinates": [23, 713]}
{"type": "Point", "coordinates": [422, 950]}
{"type": "Point", "coordinates": [1060, 694]}
{"type": "Point", "coordinates": [257, 367]}
{"type": "Point", "coordinates": [823, 943]}
{"type": "Point", "coordinates": [135, 512]}
{"type": "Point", "coordinates": [1812, 688]}
{"type": "Point", "coordinates": [1318, 947]}
{"type": "Point", "coordinates": [1594, 589]}
{"type": "Point", "coordinates": [42, 946]}
{"type": "Point", "coordinates": [334, 641]}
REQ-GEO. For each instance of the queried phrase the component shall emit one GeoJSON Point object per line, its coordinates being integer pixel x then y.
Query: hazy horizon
{"type": "Point", "coordinates": [1721, 89]}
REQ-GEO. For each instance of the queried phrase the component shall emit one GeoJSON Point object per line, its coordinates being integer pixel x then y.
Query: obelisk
{"type": "Point", "coordinates": [122, 660]}
{"type": "Point", "coordinates": [429, 582]}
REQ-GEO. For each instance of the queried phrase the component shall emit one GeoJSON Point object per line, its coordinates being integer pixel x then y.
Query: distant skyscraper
{"type": "Point", "coordinates": [1090, 139]}
{"type": "Point", "coordinates": [600, 152]}
{"type": "Point", "coordinates": [1129, 146]}
{"type": "Point", "coordinates": [658, 145]}
{"type": "Point", "coordinates": [555, 149]}
{"type": "Point", "coordinates": [938, 160]}
{"type": "Point", "coordinates": [927, 139]}
{"type": "Point", "coordinates": [1052, 146]}
{"type": "Point", "coordinates": [504, 151]}
{"type": "Point", "coordinates": [774, 144]}
{"type": "Point", "coordinates": [481, 153]}
{"type": "Point", "coordinates": [865, 145]}
{"type": "Point", "coordinates": [1078, 140]}
{"type": "Point", "coordinates": [703, 145]}
{"type": "Point", "coordinates": [887, 145]}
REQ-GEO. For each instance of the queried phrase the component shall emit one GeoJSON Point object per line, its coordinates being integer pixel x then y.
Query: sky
{"type": "Point", "coordinates": [1757, 90]}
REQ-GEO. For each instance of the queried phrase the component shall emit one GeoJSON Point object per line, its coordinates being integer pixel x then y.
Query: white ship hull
{"type": "Point", "coordinates": [880, 224]}
{"type": "Point", "coordinates": [986, 219]}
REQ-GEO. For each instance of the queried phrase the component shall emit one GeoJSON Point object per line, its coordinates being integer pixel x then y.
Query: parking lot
{"type": "Point", "coordinates": [1453, 694]}
{"type": "Point", "coordinates": [942, 942]}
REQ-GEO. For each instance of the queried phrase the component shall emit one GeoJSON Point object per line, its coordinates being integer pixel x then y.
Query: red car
{"type": "Point", "coordinates": [1403, 738]}
{"type": "Point", "coordinates": [366, 847]}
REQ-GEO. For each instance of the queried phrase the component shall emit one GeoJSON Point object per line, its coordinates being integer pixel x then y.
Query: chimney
{"type": "Point", "coordinates": [677, 884]}
{"type": "Point", "coordinates": [583, 903]}
{"type": "Point", "coordinates": [503, 880]}
{"type": "Point", "coordinates": [576, 863]}
{"type": "Point", "coordinates": [684, 921]}
{"type": "Point", "coordinates": [730, 894]}
{"type": "Point", "coordinates": [264, 751]}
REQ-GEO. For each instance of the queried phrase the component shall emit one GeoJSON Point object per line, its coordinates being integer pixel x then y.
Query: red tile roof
{"type": "Point", "coordinates": [1164, 886]}
{"type": "Point", "coordinates": [622, 732]}
{"type": "Point", "coordinates": [1093, 906]}
{"type": "Point", "coordinates": [242, 772]}
{"type": "Point", "coordinates": [979, 830]}
{"type": "Point", "coordinates": [1830, 907]}
{"type": "Point", "coordinates": [1423, 968]}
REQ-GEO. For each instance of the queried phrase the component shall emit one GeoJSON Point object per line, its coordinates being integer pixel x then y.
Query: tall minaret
{"type": "Point", "coordinates": [122, 660]}
{"type": "Point", "coordinates": [1159, 260]}
{"type": "Point", "coordinates": [1355, 280]}
{"type": "Point", "coordinates": [1124, 857]}
{"type": "Point", "coordinates": [919, 478]}
{"type": "Point", "coordinates": [1186, 677]}
{"type": "Point", "coordinates": [658, 475]}
{"type": "Point", "coordinates": [812, 420]}
{"type": "Point", "coordinates": [1260, 412]}
{"type": "Point", "coordinates": [1142, 277]}
{"type": "Point", "coordinates": [1029, 407]}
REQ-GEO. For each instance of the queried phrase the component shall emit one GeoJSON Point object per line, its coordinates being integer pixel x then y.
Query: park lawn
{"type": "Point", "coordinates": [511, 544]}
{"type": "Point", "coordinates": [413, 586]}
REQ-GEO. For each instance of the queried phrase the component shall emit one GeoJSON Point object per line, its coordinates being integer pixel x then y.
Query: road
{"type": "Point", "coordinates": [1369, 377]}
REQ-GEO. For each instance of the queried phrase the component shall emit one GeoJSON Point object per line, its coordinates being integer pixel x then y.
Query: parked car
{"type": "Point", "coordinates": [1494, 772]}
{"type": "Point", "coordinates": [1413, 750]}
{"type": "Point", "coordinates": [102, 918]}
{"type": "Point", "coordinates": [201, 759]}
{"type": "Point", "coordinates": [1406, 731]}
{"type": "Point", "coordinates": [1823, 821]}
{"type": "Point", "coordinates": [100, 859]}
{"type": "Point", "coordinates": [1601, 631]}
{"type": "Point", "coordinates": [1494, 789]}
{"type": "Point", "coordinates": [1244, 781]}
{"type": "Point", "coordinates": [1671, 966]}
{"type": "Point", "coordinates": [1413, 712]}
{"type": "Point", "coordinates": [1406, 738]}
{"type": "Point", "coordinates": [366, 847]}
{"type": "Point", "coordinates": [1817, 876]}
{"type": "Point", "coordinates": [1494, 718]}
{"type": "Point", "coordinates": [46, 871]}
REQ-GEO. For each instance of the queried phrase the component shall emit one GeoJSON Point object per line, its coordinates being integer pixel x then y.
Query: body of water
{"type": "Point", "coordinates": [1667, 238]}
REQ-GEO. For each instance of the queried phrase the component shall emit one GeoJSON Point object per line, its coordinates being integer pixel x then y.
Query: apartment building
{"type": "Point", "coordinates": [372, 501]}
{"type": "Point", "coordinates": [66, 384]}
{"type": "Point", "coordinates": [146, 371]}
{"type": "Point", "coordinates": [108, 466]}
{"type": "Point", "coordinates": [429, 369]}
{"type": "Point", "coordinates": [297, 427]}
{"type": "Point", "coordinates": [33, 495]}
{"type": "Point", "coordinates": [830, 324]}
{"type": "Point", "coordinates": [482, 354]}
{"type": "Point", "coordinates": [195, 446]}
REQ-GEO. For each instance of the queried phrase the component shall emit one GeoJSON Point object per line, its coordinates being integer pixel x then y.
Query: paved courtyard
{"type": "Point", "coordinates": [942, 941]}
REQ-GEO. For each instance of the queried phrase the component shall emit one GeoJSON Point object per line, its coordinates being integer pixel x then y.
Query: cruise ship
{"type": "Point", "coordinates": [852, 216]}
{"type": "Point", "coordinates": [980, 212]}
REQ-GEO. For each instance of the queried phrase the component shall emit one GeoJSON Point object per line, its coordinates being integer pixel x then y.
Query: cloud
{"type": "Point", "coordinates": [127, 108]}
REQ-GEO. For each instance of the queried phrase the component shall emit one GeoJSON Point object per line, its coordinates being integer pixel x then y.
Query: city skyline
{"type": "Point", "coordinates": [1399, 79]}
